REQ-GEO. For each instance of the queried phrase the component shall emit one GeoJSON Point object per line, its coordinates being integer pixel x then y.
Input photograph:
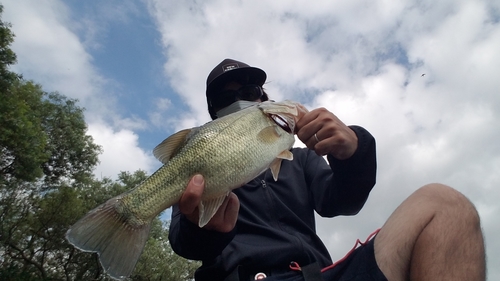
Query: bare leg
{"type": "Point", "coordinates": [435, 234]}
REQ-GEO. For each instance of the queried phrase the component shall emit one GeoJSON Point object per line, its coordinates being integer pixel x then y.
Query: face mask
{"type": "Point", "coordinates": [235, 106]}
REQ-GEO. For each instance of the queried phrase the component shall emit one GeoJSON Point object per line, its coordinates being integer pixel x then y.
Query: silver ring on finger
{"type": "Point", "coordinates": [316, 138]}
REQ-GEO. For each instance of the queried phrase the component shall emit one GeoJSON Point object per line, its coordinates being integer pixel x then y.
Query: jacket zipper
{"type": "Point", "coordinates": [272, 207]}
{"type": "Point", "coordinates": [273, 214]}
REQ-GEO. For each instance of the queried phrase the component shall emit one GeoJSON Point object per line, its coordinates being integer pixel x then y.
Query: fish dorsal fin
{"type": "Point", "coordinates": [208, 208]}
{"type": "Point", "coordinates": [276, 164]}
{"type": "Point", "coordinates": [268, 135]}
{"type": "Point", "coordinates": [170, 146]}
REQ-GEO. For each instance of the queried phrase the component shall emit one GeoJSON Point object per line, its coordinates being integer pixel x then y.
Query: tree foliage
{"type": "Point", "coordinates": [46, 185]}
{"type": "Point", "coordinates": [43, 134]}
{"type": "Point", "coordinates": [22, 141]}
{"type": "Point", "coordinates": [7, 56]}
{"type": "Point", "coordinates": [33, 228]}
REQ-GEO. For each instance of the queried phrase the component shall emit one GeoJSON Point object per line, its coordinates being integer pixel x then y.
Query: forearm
{"type": "Point", "coordinates": [347, 190]}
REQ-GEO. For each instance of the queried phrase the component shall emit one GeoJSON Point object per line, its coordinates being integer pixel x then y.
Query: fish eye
{"type": "Point", "coordinates": [280, 121]}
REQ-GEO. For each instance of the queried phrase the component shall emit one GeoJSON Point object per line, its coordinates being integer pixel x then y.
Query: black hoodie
{"type": "Point", "coordinates": [276, 223]}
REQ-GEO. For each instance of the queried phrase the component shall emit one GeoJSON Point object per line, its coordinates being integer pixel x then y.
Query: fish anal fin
{"type": "Point", "coordinates": [208, 208]}
{"type": "Point", "coordinates": [170, 146]}
{"type": "Point", "coordinates": [268, 135]}
{"type": "Point", "coordinates": [105, 231]}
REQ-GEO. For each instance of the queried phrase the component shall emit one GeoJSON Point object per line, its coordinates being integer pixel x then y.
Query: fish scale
{"type": "Point", "coordinates": [228, 152]}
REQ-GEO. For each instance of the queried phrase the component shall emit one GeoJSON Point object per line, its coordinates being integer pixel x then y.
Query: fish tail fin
{"type": "Point", "coordinates": [118, 242]}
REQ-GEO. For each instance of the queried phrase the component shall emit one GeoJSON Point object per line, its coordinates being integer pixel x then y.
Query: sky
{"type": "Point", "coordinates": [421, 76]}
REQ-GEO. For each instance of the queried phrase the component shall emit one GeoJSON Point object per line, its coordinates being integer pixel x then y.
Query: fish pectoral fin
{"type": "Point", "coordinates": [285, 154]}
{"type": "Point", "coordinates": [208, 208]}
{"type": "Point", "coordinates": [276, 164]}
{"type": "Point", "coordinates": [268, 135]}
{"type": "Point", "coordinates": [170, 146]}
{"type": "Point", "coordinates": [275, 168]}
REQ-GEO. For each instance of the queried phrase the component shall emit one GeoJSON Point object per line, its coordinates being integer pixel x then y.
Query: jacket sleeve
{"type": "Point", "coordinates": [192, 242]}
{"type": "Point", "coordinates": [345, 191]}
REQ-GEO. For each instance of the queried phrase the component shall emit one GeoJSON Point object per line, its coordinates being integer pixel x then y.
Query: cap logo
{"type": "Point", "coordinates": [228, 67]}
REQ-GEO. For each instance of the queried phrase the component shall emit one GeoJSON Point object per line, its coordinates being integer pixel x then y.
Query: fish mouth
{"type": "Point", "coordinates": [285, 114]}
{"type": "Point", "coordinates": [287, 124]}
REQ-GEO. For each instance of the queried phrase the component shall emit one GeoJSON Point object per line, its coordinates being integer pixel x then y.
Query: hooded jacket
{"type": "Point", "coordinates": [276, 221]}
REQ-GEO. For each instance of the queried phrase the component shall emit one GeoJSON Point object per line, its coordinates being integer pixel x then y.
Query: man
{"type": "Point", "coordinates": [266, 229]}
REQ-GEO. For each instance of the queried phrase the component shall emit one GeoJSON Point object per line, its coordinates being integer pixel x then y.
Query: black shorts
{"type": "Point", "coordinates": [358, 265]}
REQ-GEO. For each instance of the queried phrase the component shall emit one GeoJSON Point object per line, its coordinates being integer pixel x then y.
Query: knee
{"type": "Point", "coordinates": [442, 194]}
{"type": "Point", "coordinates": [448, 199]}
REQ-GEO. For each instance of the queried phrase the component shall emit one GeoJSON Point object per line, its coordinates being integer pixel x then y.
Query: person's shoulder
{"type": "Point", "coordinates": [299, 150]}
{"type": "Point", "coordinates": [303, 153]}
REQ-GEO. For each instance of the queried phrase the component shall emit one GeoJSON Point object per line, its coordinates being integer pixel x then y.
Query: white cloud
{"type": "Point", "coordinates": [364, 61]}
{"type": "Point", "coordinates": [121, 151]}
{"type": "Point", "coordinates": [50, 53]}
{"type": "Point", "coordinates": [157, 116]}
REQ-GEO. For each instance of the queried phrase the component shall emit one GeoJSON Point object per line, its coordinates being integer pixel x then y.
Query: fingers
{"type": "Point", "coordinates": [321, 131]}
{"type": "Point", "coordinates": [226, 216]}
{"type": "Point", "coordinates": [310, 125]}
{"type": "Point", "coordinates": [191, 197]}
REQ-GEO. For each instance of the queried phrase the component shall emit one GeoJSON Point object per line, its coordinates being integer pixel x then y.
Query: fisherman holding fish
{"type": "Point", "coordinates": [266, 228]}
{"type": "Point", "coordinates": [244, 201]}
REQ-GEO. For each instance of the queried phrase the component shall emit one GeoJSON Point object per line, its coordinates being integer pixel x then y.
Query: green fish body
{"type": "Point", "coordinates": [228, 152]}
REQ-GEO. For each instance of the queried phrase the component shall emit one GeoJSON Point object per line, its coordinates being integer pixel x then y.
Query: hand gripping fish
{"type": "Point", "coordinates": [228, 152]}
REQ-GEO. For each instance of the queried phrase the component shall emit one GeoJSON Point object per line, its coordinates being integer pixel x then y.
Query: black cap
{"type": "Point", "coordinates": [228, 70]}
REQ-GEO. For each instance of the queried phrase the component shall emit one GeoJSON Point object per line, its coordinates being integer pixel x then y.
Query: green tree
{"type": "Point", "coordinates": [45, 157]}
{"type": "Point", "coordinates": [159, 262]}
{"type": "Point", "coordinates": [43, 135]}
{"type": "Point", "coordinates": [46, 184]}
{"type": "Point", "coordinates": [73, 153]}
{"type": "Point", "coordinates": [21, 159]}
{"type": "Point", "coordinates": [22, 141]}
{"type": "Point", "coordinates": [33, 228]}
{"type": "Point", "coordinates": [7, 56]}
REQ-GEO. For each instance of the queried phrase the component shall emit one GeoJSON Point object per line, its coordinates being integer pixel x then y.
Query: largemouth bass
{"type": "Point", "coordinates": [228, 152]}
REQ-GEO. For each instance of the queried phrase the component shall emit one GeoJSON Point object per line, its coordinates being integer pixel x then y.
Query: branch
{"type": "Point", "coordinates": [28, 260]}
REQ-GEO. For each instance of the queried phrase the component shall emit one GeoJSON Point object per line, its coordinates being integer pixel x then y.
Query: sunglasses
{"type": "Point", "coordinates": [227, 97]}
